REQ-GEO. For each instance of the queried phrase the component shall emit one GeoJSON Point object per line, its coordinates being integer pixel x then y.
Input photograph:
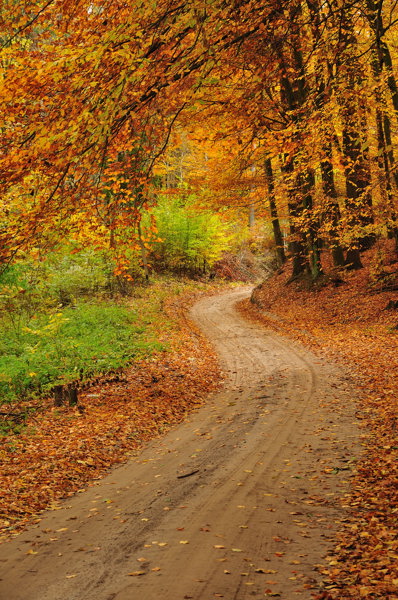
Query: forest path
{"type": "Point", "coordinates": [239, 502]}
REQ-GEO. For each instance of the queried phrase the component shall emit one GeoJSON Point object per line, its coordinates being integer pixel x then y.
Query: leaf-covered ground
{"type": "Point", "coordinates": [63, 449]}
{"type": "Point", "coordinates": [349, 321]}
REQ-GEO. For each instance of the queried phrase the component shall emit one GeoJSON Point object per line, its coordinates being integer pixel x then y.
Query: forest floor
{"type": "Point", "coordinates": [61, 449]}
{"type": "Point", "coordinates": [247, 497]}
{"type": "Point", "coordinates": [352, 320]}
{"type": "Point", "coordinates": [240, 501]}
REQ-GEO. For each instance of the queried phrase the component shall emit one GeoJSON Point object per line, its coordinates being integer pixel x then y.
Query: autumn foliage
{"type": "Point", "coordinates": [286, 110]}
{"type": "Point", "coordinates": [291, 107]}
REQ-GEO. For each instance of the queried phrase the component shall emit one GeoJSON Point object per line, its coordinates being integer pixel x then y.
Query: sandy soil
{"type": "Point", "coordinates": [239, 502]}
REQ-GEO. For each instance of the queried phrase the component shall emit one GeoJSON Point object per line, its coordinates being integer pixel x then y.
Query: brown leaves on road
{"type": "Point", "coordinates": [351, 323]}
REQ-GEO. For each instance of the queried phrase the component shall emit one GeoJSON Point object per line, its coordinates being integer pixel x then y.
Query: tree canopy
{"type": "Point", "coordinates": [290, 106]}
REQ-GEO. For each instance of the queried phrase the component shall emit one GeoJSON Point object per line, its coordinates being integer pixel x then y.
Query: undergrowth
{"type": "Point", "coordinates": [72, 344]}
{"type": "Point", "coordinates": [59, 328]}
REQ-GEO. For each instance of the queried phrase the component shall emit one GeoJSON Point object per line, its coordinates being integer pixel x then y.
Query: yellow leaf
{"type": "Point", "coordinates": [266, 571]}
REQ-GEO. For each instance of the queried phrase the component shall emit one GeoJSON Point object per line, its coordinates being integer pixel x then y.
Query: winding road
{"type": "Point", "coordinates": [239, 502]}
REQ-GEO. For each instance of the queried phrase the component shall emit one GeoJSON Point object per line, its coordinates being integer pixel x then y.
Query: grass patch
{"type": "Point", "coordinates": [74, 344]}
{"type": "Point", "coordinates": [89, 338]}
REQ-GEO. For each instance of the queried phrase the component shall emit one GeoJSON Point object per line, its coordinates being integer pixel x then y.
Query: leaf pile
{"type": "Point", "coordinates": [353, 322]}
{"type": "Point", "coordinates": [63, 449]}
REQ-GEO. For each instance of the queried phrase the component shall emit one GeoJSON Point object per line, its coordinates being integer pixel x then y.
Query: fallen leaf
{"type": "Point", "coordinates": [266, 571]}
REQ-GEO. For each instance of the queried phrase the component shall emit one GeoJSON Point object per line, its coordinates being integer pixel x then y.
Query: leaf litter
{"type": "Point", "coordinates": [351, 323]}
{"type": "Point", "coordinates": [66, 448]}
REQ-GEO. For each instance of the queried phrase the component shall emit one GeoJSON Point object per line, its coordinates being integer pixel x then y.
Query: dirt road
{"type": "Point", "coordinates": [236, 503]}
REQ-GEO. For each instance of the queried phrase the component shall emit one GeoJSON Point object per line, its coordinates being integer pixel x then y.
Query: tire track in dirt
{"type": "Point", "coordinates": [255, 511]}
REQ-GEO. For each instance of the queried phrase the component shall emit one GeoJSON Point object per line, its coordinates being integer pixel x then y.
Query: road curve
{"type": "Point", "coordinates": [239, 502]}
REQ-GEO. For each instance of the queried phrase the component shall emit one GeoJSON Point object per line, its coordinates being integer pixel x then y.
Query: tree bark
{"type": "Point", "coordinates": [297, 241]}
{"type": "Point", "coordinates": [269, 176]}
{"type": "Point", "coordinates": [332, 208]}
{"type": "Point", "coordinates": [381, 59]}
{"type": "Point", "coordinates": [144, 253]}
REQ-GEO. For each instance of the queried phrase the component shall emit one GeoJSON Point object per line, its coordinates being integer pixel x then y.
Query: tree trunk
{"type": "Point", "coordinates": [144, 254]}
{"type": "Point", "coordinates": [375, 18]}
{"type": "Point", "coordinates": [331, 214]}
{"type": "Point", "coordinates": [293, 84]}
{"type": "Point", "coordinates": [297, 245]}
{"type": "Point", "coordinates": [381, 59]}
{"type": "Point", "coordinates": [332, 209]}
{"type": "Point", "coordinates": [306, 185]}
{"type": "Point", "coordinates": [354, 143]}
{"type": "Point", "coordinates": [63, 394]}
{"type": "Point", "coordinates": [353, 259]}
{"type": "Point", "coordinates": [252, 216]}
{"type": "Point", "coordinates": [269, 176]}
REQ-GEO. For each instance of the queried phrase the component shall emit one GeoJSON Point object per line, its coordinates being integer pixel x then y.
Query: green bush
{"type": "Point", "coordinates": [78, 274]}
{"type": "Point", "coordinates": [68, 346]}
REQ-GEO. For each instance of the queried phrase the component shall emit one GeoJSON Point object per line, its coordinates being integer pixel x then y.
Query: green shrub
{"type": "Point", "coordinates": [79, 274]}
{"type": "Point", "coordinates": [68, 346]}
